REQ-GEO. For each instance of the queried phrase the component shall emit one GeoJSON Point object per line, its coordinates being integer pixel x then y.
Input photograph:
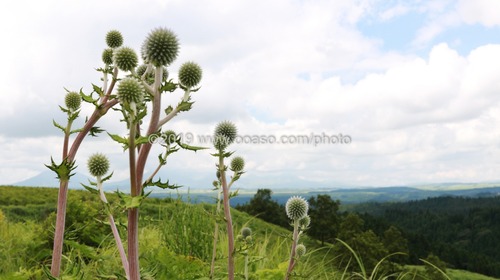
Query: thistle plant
{"type": "Point", "coordinates": [296, 209]}
{"type": "Point", "coordinates": [246, 239]}
{"type": "Point", "coordinates": [224, 135]}
{"type": "Point", "coordinates": [98, 165]}
{"type": "Point", "coordinates": [133, 93]}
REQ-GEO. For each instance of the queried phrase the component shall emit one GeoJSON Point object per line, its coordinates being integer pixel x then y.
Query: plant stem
{"type": "Point", "coordinates": [63, 184]}
{"type": "Point", "coordinates": [216, 236]}
{"type": "Point", "coordinates": [116, 234]}
{"type": "Point", "coordinates": [246, 265]}
{"type": "Point", "coordinates": [295, 238]}
{"type": "Point", "coordinates": [229, 221]}
{"type": "Point", "coordinates": [133, 213]}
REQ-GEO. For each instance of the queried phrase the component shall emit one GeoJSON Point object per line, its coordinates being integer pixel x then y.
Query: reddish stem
{"type": "Point", "coordinates": [229, 220]}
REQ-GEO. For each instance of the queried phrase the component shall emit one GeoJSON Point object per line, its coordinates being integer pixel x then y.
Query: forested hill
{"type": "Point", "coordinates": [464, 232]}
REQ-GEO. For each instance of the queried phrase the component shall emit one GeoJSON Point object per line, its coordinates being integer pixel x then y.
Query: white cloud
{"type": "Point", "coordinates": [280, 68]}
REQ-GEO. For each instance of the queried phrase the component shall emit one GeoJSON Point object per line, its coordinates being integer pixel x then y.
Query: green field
{"type": "Point", "coordinates": [175, 241]}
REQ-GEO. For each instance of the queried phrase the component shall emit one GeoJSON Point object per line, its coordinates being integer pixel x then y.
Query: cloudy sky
{"type": "Point", "coordinates": [414, 84]}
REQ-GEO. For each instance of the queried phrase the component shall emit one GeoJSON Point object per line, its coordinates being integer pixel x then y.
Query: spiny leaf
{"type": "Point", "coordinates": [76, 131]}
{"type": "Point", "coordinates": [141, 140]}
{"type": "Point", "coordinates": [90, 189]}
{"type": "Point", "coordinates": [168, 86]}
{"type": "Point", "coordinates": [119, 139]}
{"type": "Point", "coordinates": [95, 130]}
{"type": "Point", "coordinates": [107, 177]}
{"type": "Point", "coordinates": [59, 126]}
{"type": "Point", "coordinates": [168, 110]}
{"type": "Point", "coordinates": [62, 170]}
{"type": "Point", "coordinates": [88, 98]}
{"type": "Point", "coordinates": [131, 201]}
{"type": "Point", "coordinates": [97, 89]}
{"type": "Point", "coordinates": [163, 185]}
{"type": "Point", "coordinates": [73, 116]}
{"type": "Point", "coordinates": [233, 194]}
{"type": "Point", "coordinates": [184, 106]}
{"type": "Point", "coordinates": [191, 148]}
{"type": "Point", "coordinates": [64, 109]}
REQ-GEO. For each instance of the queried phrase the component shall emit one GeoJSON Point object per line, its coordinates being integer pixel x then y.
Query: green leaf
{"type": "Point", "coordinates": [119, 139]}
{"type": "Point", "coordinates": [90, 189]}
{"type": "Point", "coordinates": [76, 131]}
{"type": "Point", "coordinates": [73, 116]}
{"type": "Point", "coordinates": [168, 110]}
{"type": "Point", "coordinates": [191, 148]}
{"type": "Point", "coordinates": [62, 170]}
{"type": "Point", "coordinates": [131, 201]}
{"type": "Point", "coordinates": [233, 194]}
{"type": "Point", "coordinates": [184, 106]}
{"type": "Point", "coordinates": [168, 86]}
{"type": "Point", "coordinates": [95, 130]}
{"type": "Point", "coordinates": [64, 109]}
{"type": "Point", "coordinates": [88, 98]}
{"type": "Point", "coordinates": [162, 185]}
{"type": "Point", "coordinates": [141, 140]}
{"type": "Point", "coordinates": [59, 126]}
{"type": "Point", "coordinates": [98, 90]}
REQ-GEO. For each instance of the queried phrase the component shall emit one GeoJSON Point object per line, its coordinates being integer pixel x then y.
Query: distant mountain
{"type": "Point", "coordinates": [48, 179]}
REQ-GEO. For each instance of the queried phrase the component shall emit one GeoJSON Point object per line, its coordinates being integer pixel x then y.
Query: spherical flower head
{"type": "Point", "coordinates": [225, 134]}
{"type": "Point", "coordinates": [130, 90]}
{"type": "Point", "coordinates": [161, 47]}
{"type": "Point", "coordinates": [169, 137]}
{"type": "Point", "coordinates": [114, 39]}
{"type": "Point", "coordinates": [300, 250]}
{"type": "Point", "coordinates": [107, 56]}
{"type": "Point", "coordinates": [304, 222]}
{"type": "Point", "coordinates": [98, 165]}
{"type": "Point", "coordinates": [296, 208]}
{"type": "Point", "coordinates": [237, 164]}
{"type": "Point", "coordinates": [190, 74]}
{"type": "Point", "coordinates": [73, 101]}
{"type": "Point", "coordinates": [249, 239]}
{"type": "Point", "coordinates": [125, 59]}
{"type": "Point", "coordinates": [246, 231]}
{"type": "Point", "coordinates": [217, 174]}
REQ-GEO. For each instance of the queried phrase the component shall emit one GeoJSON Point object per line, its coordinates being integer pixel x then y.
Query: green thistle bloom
{"type": "Point", "coordinates": [296, 208]}
{"type": "Point", "coordinates": [130, 90]}
{"type": "Point", "coordinates": [225, 134]}
{"type": "Point", "coordinates": [114, 39]}
{"type": "Point", "coordinates": [161, 47]}
{"type": "Point", "coordinates": [237, 164]}
{"type": "Point", "coordinates": [246, 231]}
{"type": "Point", "coordinates": [125, 59]}
{"type": "Point", "coordinates": [300, 250]}
{"type": "Point", "coordinates": [107, 56]}
{"type": "Point", "coordinates": [304, 222]}
{"type": "Point", "coordinates": [98, 165]}
{"type": "Point", "coordinates": [190, 74]}
{"type": "Point", "coordinates": [73, 101]}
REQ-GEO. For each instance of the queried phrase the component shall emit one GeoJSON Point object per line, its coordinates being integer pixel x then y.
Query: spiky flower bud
{"type": "Point", "coordinates": [73, 101]}
{"type": "Point", "coordinates": [237, 164]}
{"type": "Point", "coordinates": [304, 222]}
{"type": "Point", "coordinates": [160, 47]}
{"type": "Point", "coordinates": [125, 59]}
{"type": "Point", "coordinates": [190, 74]}
{"type": "Point", "coordinates": [114, 39]}
{"type": "Point", "coordinates": [296, 208]}
{"type": "Point", "coordinates": [107, 56]}
{"type": "Point", "coordinates": [300, 250]}
{"type": "Point", "coordinates": [98, 165]}
{"type": "Point", "coordinates": [246, 231]}
{"type": "Point", "coordinates": [169, 137]}
{"type": "Point", "coordinates": [249, 239]}
{"type": "Point", "coordinates": [225, 134]}
{"type": "Point", "coordinates": [239, 238]}
{"type": "Point", "coordinates": [215, 184]}
{"type": "Point", "coordinates": [217, 174]}
{"type": "Point", "coordinates": [130, 90]}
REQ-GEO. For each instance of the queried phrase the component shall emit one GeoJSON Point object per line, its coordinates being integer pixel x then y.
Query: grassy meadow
{"type": "Point", "coordinates": [176, 240]}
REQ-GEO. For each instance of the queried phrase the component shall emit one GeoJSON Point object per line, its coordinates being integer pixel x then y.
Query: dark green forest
{"type": "Point", "coordinates": [462, 232]}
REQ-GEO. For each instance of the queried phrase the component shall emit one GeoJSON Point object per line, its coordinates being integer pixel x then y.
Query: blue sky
{"type": "Point", "coordinates": [414, 83]}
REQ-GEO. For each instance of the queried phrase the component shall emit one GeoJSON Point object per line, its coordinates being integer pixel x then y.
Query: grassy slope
{"type": "Point", "coordinates": [176, 241]}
